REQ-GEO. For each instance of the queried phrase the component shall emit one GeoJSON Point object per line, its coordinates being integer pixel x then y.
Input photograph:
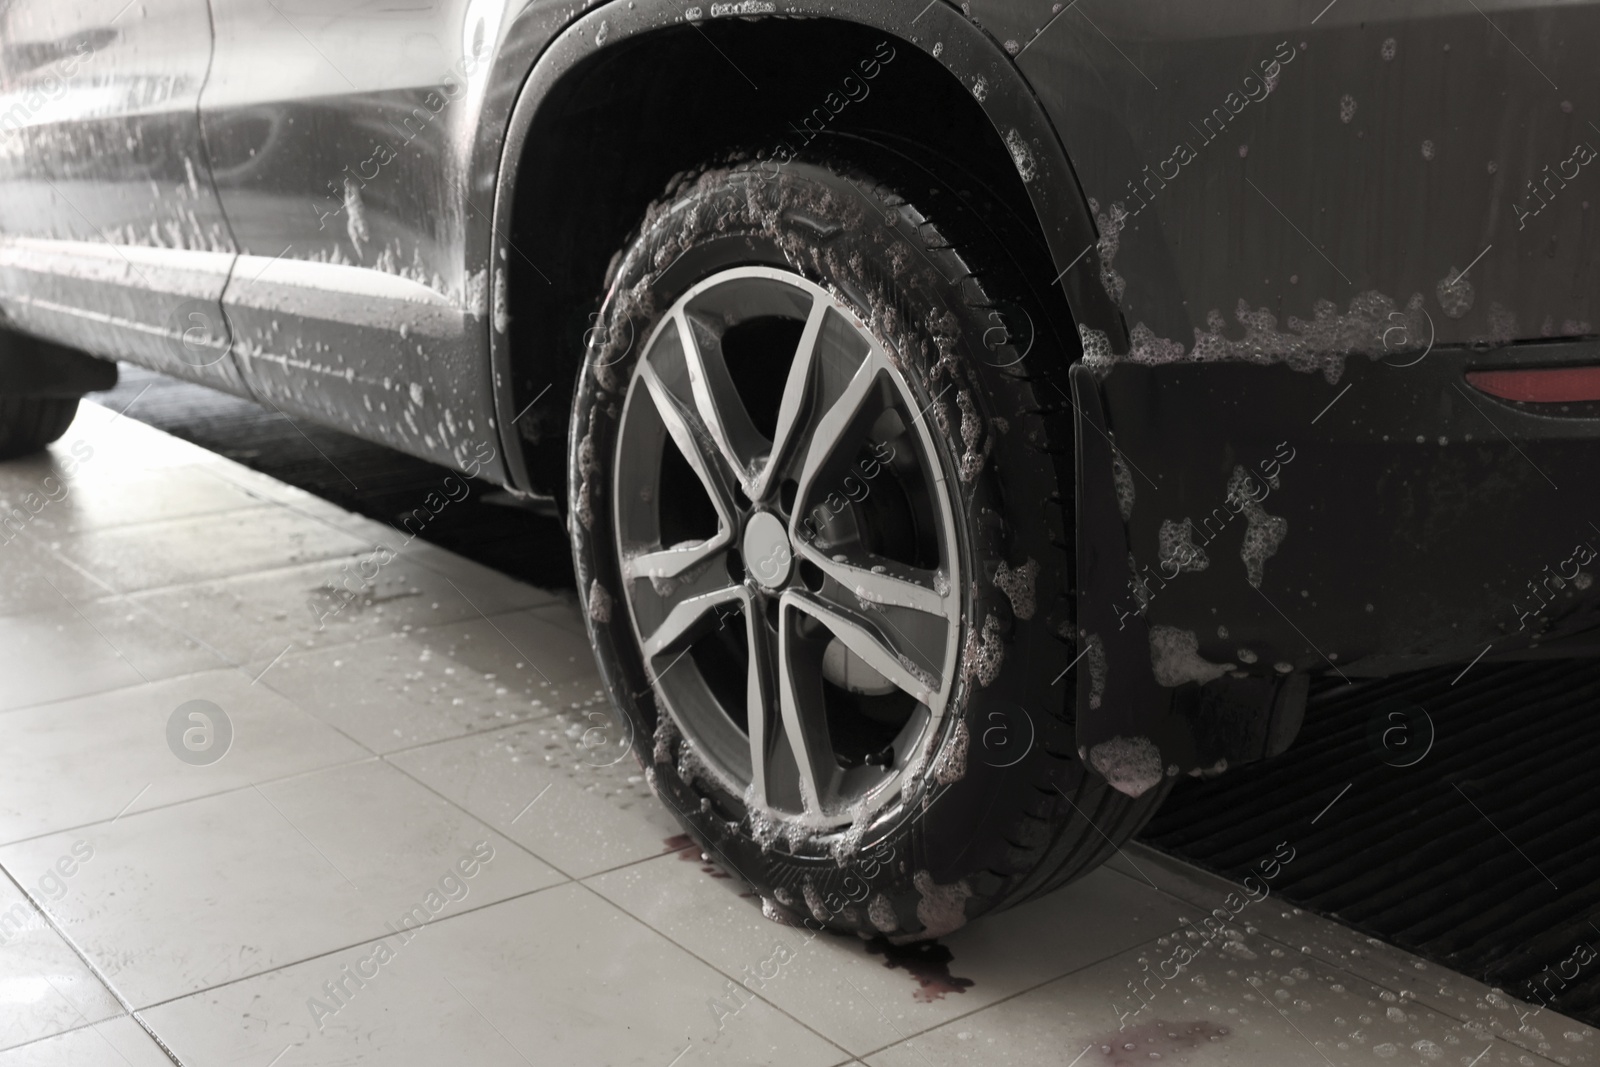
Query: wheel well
{"type": "Point", "coordinates": [613, 133]}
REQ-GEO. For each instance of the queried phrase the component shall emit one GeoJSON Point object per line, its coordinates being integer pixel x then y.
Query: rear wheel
{"type": "Point", "coordinates": [28, 423]}
{"type": "Point", "coordinates": [820, 529]}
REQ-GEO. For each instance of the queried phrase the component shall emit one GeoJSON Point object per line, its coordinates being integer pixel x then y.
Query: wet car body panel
{"type": "Point", "coordinates": [1393, 148]}
{"type": "Point", "coordinates": [1338, 207]}
{"type": "Point", "coordinates": [337, 135]}
{"type": "Point", "coordinates": [111, 236]}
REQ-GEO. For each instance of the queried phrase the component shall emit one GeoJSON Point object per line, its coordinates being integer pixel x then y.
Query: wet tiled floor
{"type": "Point", "coordinates": [423, 842]}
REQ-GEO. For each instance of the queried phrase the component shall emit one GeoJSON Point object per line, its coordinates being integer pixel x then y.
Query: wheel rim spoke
{"type": "Point", "coordinates": [682, 619]}
{"type": "Point", "coordinates": [671, 562]}
{"type": "Point", "coordinates": [832, 425]}
{"type": "Point", "coordinates": [757, 712]}
{"type": "Point", "coordinates": [793, 403]}
{"type": "Point", "coordinates": [687, 433]}
{"type": "Point", "coordinates": [805, 727]}
{"type": "Point", "coordinates": [869, 643]}
{"type": "Point", "coordinates": [717, 401]}
{"type": "Point", "coordinates": [886, 583]}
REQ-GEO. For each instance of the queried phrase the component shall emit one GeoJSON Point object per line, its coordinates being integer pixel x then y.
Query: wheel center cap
{"type": "Point", "coordinates": [767, 555]}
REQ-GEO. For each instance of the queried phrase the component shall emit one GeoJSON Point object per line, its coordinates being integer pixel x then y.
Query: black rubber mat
{"type": "Point", "coordinates": [368, 479]}
{"type": "Point", "coordinates": [1463, 822]}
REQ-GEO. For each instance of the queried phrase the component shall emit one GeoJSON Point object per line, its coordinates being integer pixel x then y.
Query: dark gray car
{"type": "Point", "coordinates": [967, 421]}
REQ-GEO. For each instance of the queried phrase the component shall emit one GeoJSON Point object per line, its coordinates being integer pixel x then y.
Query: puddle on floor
{"type": "Point", "coordinates": [689, 852]}
{"type": "Point", "coordinates": [926, 961]}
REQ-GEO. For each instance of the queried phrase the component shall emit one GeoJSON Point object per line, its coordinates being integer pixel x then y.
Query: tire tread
{"type": "Point", "coordinates": [28, 423]}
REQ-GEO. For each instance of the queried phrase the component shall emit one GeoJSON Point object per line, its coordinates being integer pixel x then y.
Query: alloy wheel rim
{"type": "Point", "coordinates": [793, 526]}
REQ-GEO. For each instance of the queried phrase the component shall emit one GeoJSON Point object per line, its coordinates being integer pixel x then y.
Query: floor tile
{"type": "Point", "coordinates": [121, 629]}
{"type": "Point", "coordinates": [564, 611]}
{"type": "Point", "coordinates": [422, 685]}
{"type": "Point", "coordinates": [590, 807]}
{"type": "Point", "coordinates": [264, 487]}
{"type": "Point", "coordinates": [32, 578]}
{"type": "Point", "coordinates": [855, 998]}
{"type": "Point", "coordinates": [85, 760]}
{"type": "Point", "coordinates": [102, 444]}
{"type": "Point", "coordinates": [558, 977]}
{"type": "Point", "coordinates": [254, 618]}
{"type": "Point", "coordinates": [185, 897]}
{"type": "Point", "coordinates": [97, 498]}
{"type": "Point", "coordinates": [151, 646]}
{"type": "Point", "coordinates": [1496, 1011]}
{"type": "Point", "coordinates": [489, 591]}
{"type": "Point", "coordinates": [494, 644]}
{"type": "Point", "coordinates": [42, 472]}
{"type": "Point", "coordinates": [1244, 1001]}
{"type": "Point", "coordinates": [44, 987]}
{"type": "Point", "coordinates": [118, 1042]}
{"type": "Point", "coordinates": [132, 442]}
{"type": "Point", "coordinates": [181, 551]}
{"type": "Point", "coordinates": [55, 654]}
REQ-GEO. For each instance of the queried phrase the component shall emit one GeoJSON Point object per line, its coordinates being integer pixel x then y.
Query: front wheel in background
{"type": "Point", "coordinates": [29, 423]}
{"type": "Point", "coordinates": [821, 522]}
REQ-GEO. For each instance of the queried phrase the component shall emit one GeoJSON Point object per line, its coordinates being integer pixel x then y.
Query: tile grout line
{"type": "Point", "coordinates": [715, 969]}
{"type": "Point", "coordinates": [360, 519]}
{"type": "Point", "coordinates": [94, 969]}
{"type": "Point", "coordinates": [114, 591]}
{"type": "Point", "coordinates": [225, 663]}
{"type": "Point", "coordinates": [255, 504]}
{"type": "Point", "coordinates": [185, 800]}
{"type": "Point", "coordinates": [910, 1034]}
{"type": "Point", "coordinates": [370, 756]}
{"type": "Point", "coordinates": [481, 821]}
{"type": "Point", "coordinates": [347, 947]}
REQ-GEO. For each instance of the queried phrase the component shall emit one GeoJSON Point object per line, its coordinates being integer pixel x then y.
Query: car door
{"type": "Point", "coordinates": [338, 130]}
{"type": "Point", "coordinates": [111, 235]}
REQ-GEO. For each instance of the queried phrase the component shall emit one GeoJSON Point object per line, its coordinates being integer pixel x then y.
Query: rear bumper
{"type": "Point", "coordinates": [1281, 525]}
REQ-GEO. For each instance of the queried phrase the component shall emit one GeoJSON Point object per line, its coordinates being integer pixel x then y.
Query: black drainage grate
{"type": "Point", "coordinates": [1465, 828]}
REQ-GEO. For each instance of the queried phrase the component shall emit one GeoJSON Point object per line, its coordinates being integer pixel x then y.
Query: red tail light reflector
{"type": "Point", "coordinates": [1541, 385]}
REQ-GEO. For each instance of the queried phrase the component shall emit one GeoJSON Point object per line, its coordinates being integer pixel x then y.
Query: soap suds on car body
{"type": "Point", "coordinates": [1320, 343]}
{"type": "Point", "coordinates": [1177, 546]}
{"type": "Point", "coordinates": [1175, 658]}
{"type": "Point", "coordinates": [1094, 658]}
{"type": "Point", "coordinates": [1130, 765]}
{"type": "Point", "coordinates": [1122, 478]}
{"type": "Point", "coordinates": [1263, 533]}
{"type": "Point", "coordinates": [1021, 154]}
{"type": "Point", "coordinates": [1017, 584]}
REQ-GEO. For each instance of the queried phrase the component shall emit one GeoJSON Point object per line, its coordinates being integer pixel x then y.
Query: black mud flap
{"type": "Point", "coordinates": [1131, 729]}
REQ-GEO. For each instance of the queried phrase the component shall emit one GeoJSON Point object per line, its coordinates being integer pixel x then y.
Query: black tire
{"type": "Point", "coordinates": [28, 423]}
{"type": "Point", "coordinates": [979, 827]}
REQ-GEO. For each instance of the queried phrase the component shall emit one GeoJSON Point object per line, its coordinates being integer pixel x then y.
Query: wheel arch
{"type": "Point", "coordinates": [616, 105]}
